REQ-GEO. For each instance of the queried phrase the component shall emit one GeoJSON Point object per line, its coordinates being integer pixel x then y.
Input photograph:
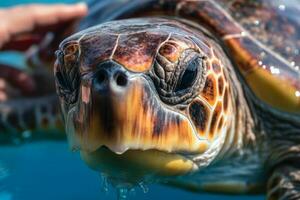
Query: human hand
{"type": "Point", "coordinates": [29, 23]}
{"type": "Point", "coordinates": [20, 27]}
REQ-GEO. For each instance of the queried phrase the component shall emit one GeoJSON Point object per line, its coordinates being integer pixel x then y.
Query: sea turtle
{"type": "Point", "coordinates": [200, 94]}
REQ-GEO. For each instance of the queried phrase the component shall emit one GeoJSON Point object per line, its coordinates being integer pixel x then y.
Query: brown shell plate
{"type": "Point", "coordinates": [263, 42]}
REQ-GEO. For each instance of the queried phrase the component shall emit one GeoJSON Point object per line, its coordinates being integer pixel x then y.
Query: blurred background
{"type": "Point", "coordinates": [48, 170]}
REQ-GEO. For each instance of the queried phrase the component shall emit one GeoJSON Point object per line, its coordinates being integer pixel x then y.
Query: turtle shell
{"type": "Point", "coordinates": [267, 50]}
{"type": "Point", "coordinates": [261, 38]}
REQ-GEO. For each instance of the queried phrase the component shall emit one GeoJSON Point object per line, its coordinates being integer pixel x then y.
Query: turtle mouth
{"type": "Point", "coordinates": [130, 119]}
{"type": "Point", "coordinates": [134, 166]}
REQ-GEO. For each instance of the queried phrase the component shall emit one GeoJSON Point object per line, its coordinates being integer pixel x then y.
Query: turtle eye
{"type": "Point", "coordinates": [67, 86]}
{"type": "Point", "coordinates": [67, 78]}
{"type": "Point", "coordinates": [189, 75]}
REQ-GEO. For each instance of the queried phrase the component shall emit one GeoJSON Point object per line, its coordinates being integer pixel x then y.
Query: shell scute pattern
{"type": "Point", "coordinates": [172, 49]}
{"type": "Point", "coordinates": [209, 92]}
{"type": "Point", "coordinates": [265, 54]}
{"type": "Point", "coordinates": [200, 115]}
{"type": "Point", "coordinates": [143, 47]}
{"type": "Point", "coordinates": [213, 99]}
{"type": "Point", "coordinates": [215, 119]}
{"type": "Point", "coordinates": [221, 85]}
{"type": "Point", "coordinates": [169, 51]}
{"type": "Point", "coordinates": [216, 66]}
{"type": "Point", "coordinates": [96, 49]}
{"type": "Point", "coordinates": [179, 43]}
{"type": "Point", "coordinates": [226, 99]}
{"type": "Point", "coordinates": [220, 124]}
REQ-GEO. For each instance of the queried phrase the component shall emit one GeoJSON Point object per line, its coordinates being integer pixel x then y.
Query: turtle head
{"type": "Point", "coordinates": [143, 97]}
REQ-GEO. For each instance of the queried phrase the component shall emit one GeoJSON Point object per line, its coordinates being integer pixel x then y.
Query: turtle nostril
{"type": "Point", "coordinates": [101, 77]}
{"type": "Point", "coordinates": [121, 79]}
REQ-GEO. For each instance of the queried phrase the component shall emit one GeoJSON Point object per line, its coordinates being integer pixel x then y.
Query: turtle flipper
{"type": "Point", "coordinates": [284, 184]}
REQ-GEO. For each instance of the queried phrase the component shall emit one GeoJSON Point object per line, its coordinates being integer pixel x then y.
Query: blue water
{"type": "Point", "coordinates": [48, 170]}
